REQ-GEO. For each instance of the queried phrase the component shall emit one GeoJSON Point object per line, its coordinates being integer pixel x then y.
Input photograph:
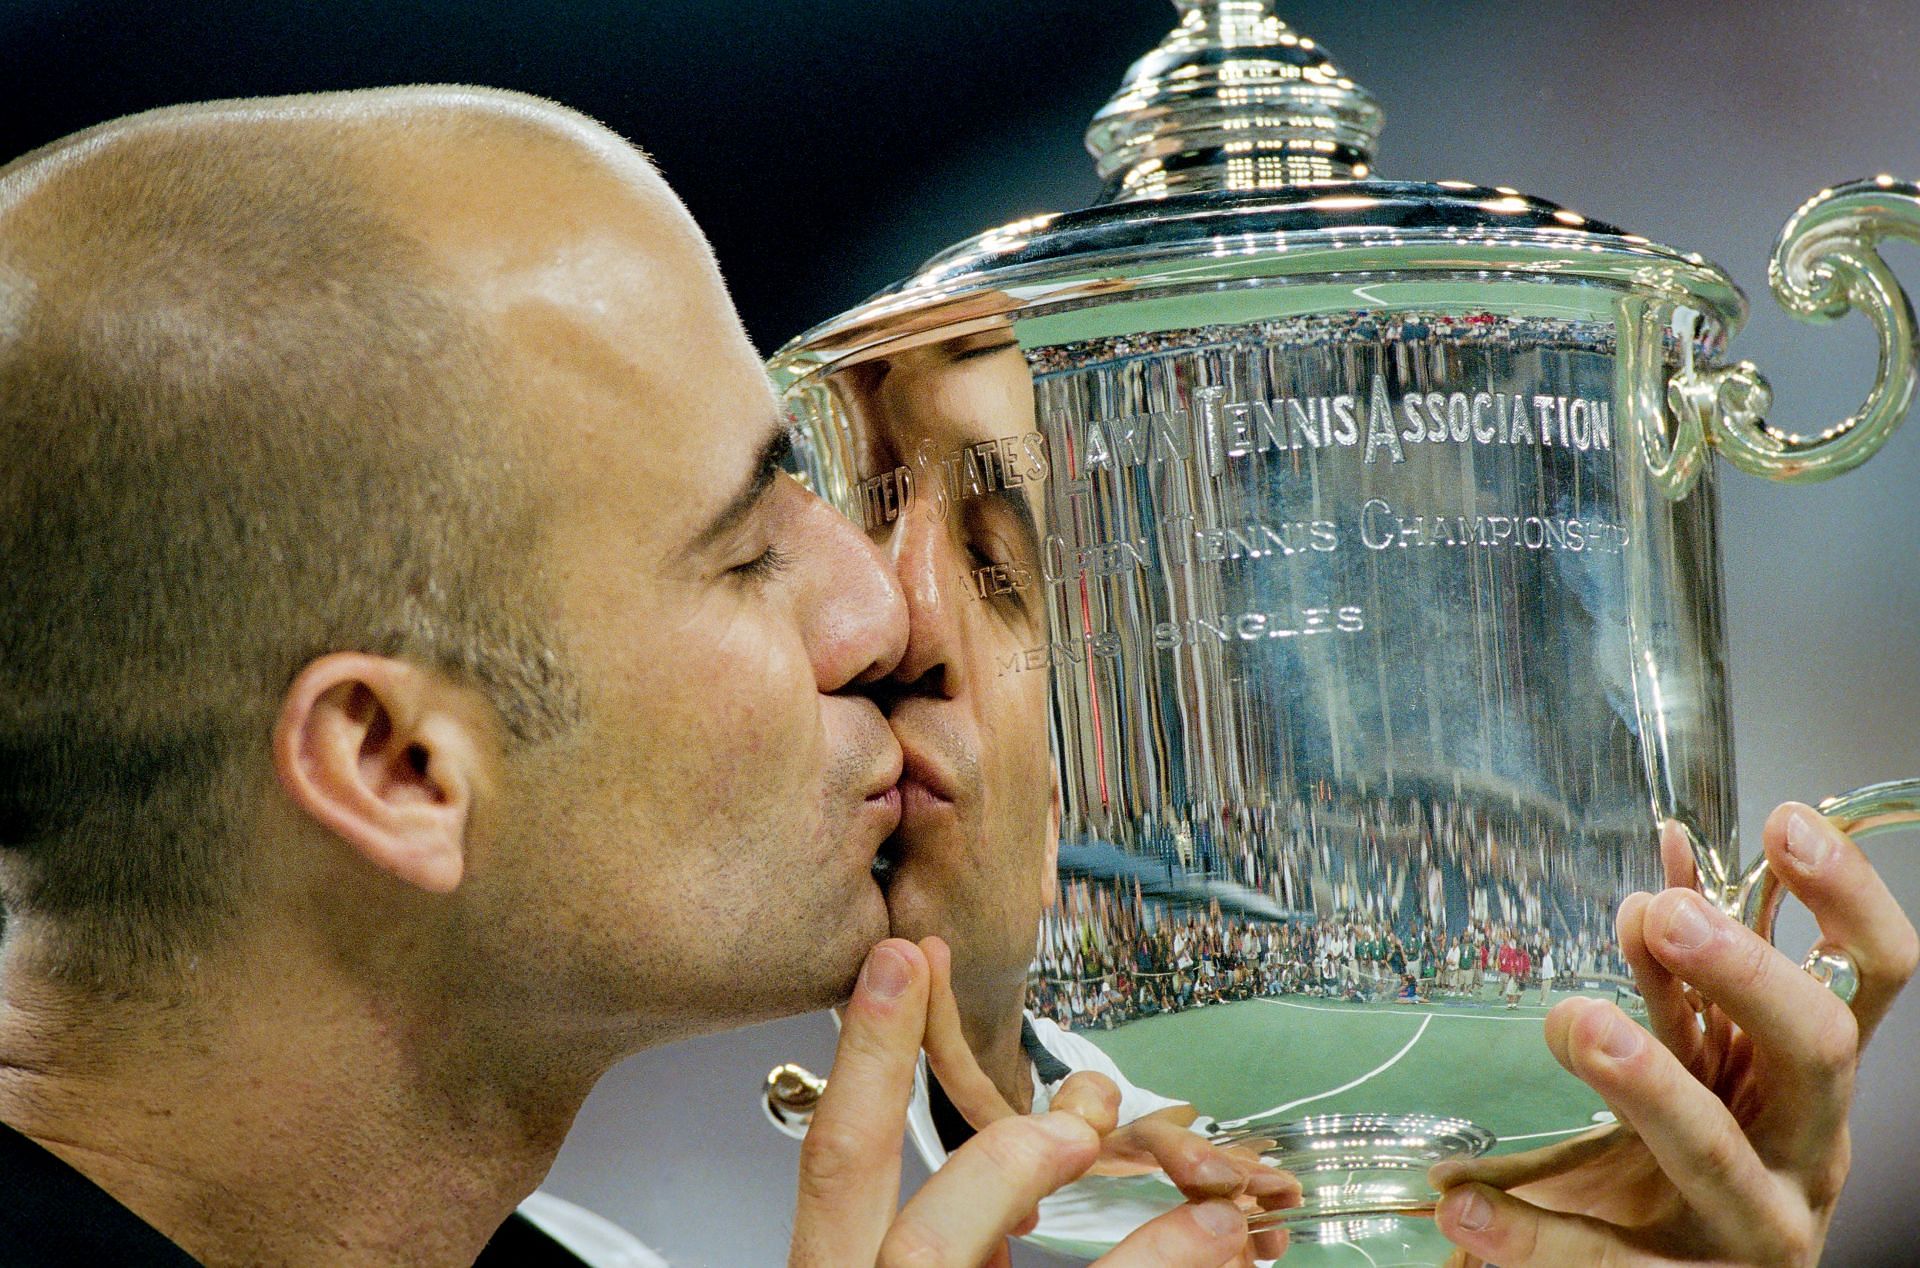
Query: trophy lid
{"type": "Point", "coordinates": [1235, 152]}
{"type": "Point", "coordinates": [1232, 99]}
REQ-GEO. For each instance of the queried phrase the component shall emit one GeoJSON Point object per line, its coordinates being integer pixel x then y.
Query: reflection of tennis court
{"type": "Point", "coordinates": [1316, 1056]}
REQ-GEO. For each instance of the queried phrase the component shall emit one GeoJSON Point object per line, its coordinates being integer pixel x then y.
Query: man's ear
{"type": "Point", "coordinates": [386, 756]}
{"type": "Point", "coordinates": [1050, 877]}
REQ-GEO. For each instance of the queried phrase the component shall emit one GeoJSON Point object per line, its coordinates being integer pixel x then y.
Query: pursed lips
{"type": "Point", "coordinates": [925, 785]}
{"type": "Point", "coordinates": [924, 788]}
{"type": "Point", "coordinates": [883, 790]}
{"type": "Point", "coordinates": [886, 801]}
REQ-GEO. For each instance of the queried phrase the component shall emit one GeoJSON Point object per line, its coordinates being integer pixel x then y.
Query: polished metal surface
{"type": "Point", "coordinates": [1825, 265]}
{"type": "Point", "coordinates": [1361, 1162]}
{"type": "Point", "coordinates": [1232, 99]}
{"type": "Point", "coordinates": [789, 1096]}
{"type": "Point", "coordinates": [1325, 612]}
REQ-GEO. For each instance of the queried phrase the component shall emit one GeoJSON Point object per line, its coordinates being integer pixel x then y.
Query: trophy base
{"type": "Point", "coordinates": [1360, 1173]}
{"type": "Point", "coordinates": [1371, 1241]}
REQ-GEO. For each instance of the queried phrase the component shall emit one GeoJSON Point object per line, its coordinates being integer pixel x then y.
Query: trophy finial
{"type": "Point", "coordinates": [1232, 99]}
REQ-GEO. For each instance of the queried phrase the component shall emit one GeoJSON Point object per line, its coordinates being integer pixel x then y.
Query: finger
{"type": "Point", "coordinates": [1206, 1233]}
{"type": "Point", "coordinates": [1270, 1243]}
{"type": "Point", "coordinates": [1676, 856]}
{"type": "Point", "coordinates": [1267, 1241]}
{"type": "Point", "coordinates": [1698, 1144]}
{"type": "Point", "coordinates": [1091, 1095]}
{"type": "Point", "coordinates": [1680, 864]}
{"type": "Point", "coordinates": [1274, 1188]}
{"type": "Point", "coordinates": [986, 1188]}
{"type": "Point", "coordinates": [1197, 1167]}
{"type": "Point", "coordinates": [1259, 1189]}
{"type": "Point", "coordinates": [1502, 1229]}
{"type": "Point", "coordinates": [1808, 1040]}
{"type": "Point", "coordinates": [1670, 1014]}
{"type": "Point", "coordinates": [948, 1053]}
{"type": "Point", "coordinates": [1827, 871]}
{"type": "Point", "coordinates": [850, 1158]}
{"type": "Point", "coordinates": [1504, 1171]}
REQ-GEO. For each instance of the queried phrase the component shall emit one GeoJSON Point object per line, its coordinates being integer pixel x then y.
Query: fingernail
{"type": "Point", "coordinates": [1219, 1219]}
{"type": "Point", "coordinates": [1807, 841]}
{"type": "Point", "coordinates": [1472, 1212]}
{"type": "Point", "coordinates": [1265, 1181]}
{"type": "Point", "coordinates": [1621, 1039]}
{"type": "Point", "coordinates": [1064, 1126]}
{"type": "Point", "coordinates": [1216, 1173]}
{"type": "Point", "coordinates": [1687, 924]}
{"type": "Point", "coordinates": [887, 973]}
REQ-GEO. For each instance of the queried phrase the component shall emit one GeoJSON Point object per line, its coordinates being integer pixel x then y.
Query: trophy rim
{"type": "Point", "coordinates": [1319, 231]}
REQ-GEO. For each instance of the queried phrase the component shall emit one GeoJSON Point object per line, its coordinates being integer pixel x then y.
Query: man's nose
{"type": "Point", "coordinates": [925, 558]}
{"type": "Point", "coordinates": [854, 617]}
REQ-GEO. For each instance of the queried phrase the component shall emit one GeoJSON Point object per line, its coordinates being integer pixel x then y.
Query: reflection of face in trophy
{"type": "Point", "coordinates": [973, 861]}
{"type": "Point", "coordinates": [953, 463]}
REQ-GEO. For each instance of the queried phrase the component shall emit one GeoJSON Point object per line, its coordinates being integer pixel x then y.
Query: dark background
{"type": "Point", "coordinates": [827, 147]}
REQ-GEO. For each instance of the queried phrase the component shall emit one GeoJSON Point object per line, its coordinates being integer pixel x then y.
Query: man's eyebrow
{"type": "Point", "coordinates": [774, 452]}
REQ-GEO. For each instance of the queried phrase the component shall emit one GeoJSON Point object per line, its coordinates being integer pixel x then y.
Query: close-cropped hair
{"type": "Point", "coordinates": [244, 421]}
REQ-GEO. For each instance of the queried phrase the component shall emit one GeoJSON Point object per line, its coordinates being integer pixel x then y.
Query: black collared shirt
{"type": "Point", "coordinates": [51, 1216]}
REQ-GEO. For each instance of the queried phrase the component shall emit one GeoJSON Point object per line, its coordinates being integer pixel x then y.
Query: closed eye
{"type": "Point", "coordinates": [769, 563]}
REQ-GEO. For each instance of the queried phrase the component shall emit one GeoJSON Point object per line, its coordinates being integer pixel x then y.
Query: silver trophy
{"type": "Point", "coordinates": [1317, 584]}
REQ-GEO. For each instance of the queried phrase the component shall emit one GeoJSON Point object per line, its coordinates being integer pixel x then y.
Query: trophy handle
{"type": "Point", "coordinates": [1860, 813]}
{"type": "Point", "coordinates": [1825, 264]}
{"type": "Point", "coordinates": [789, 1096]}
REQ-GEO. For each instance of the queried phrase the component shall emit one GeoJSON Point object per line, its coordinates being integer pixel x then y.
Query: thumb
{"type": "Point", "coordinates": [850, 1159]}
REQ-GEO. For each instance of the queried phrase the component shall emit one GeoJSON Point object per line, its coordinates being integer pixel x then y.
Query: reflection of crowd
{"type": "Point", "coordinates": [1399, 861]}
{"type": "Point", "coordinates": [1411, 900]}
{"type": "Point", "coordinates": [1107, 956]}
{"type": "Point", "coordinates": [1341, 330]}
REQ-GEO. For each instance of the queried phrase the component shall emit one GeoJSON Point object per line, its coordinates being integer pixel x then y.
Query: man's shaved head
{"type": "Point", "coordinates": [248, 415]}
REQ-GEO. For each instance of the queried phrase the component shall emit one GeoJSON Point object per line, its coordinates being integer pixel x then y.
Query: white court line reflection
{"type": "Point", "coordinates": [1398, 1012]}
{"type": "Point", "coordinates": [1383, 1067]}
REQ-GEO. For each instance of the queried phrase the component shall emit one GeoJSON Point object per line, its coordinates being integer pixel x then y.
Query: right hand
{"type": "Point", "coordinates": [1731, 1144]}
{"type": "Point", "coordinates": [848, 1209]}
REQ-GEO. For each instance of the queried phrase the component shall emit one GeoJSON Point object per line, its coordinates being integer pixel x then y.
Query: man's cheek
{"type": "Point", "coordinates": [751, 698]}
{"type": "Point", "coordinates": [767, 743]}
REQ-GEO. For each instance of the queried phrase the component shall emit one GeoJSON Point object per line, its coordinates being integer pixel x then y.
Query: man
{"type": "Point", "coordinates": [415, 695]}
{"type": "Point", "coordinates": [419, 689]}
{"type": "Point", "coordinates": [974, 859]}
{"type": "Point", "coordinates": [1510, 971]}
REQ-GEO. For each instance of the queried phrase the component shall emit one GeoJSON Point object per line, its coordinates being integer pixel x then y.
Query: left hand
{"type": "Point", "coordinates": [850, 1160]}
{"type": "Point", "coordinates": [1200, 1169]}
{"type": "Point", "coordinates": [1731, 1143]}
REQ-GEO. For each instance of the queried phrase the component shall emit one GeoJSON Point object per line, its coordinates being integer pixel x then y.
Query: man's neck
{"type": "Point", "coordinates": [330, 1128]}
{"type": "Point", "coordinates": [993, 1033]}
